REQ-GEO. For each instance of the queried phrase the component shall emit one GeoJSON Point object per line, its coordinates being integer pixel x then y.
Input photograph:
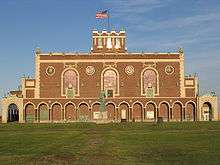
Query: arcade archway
{"type": "Point", "coordinates": [190, 113]}
{"type": "Point", "coordinates": [56, 112]}
{"type": "Point", "coordinates": [164, 111]}
{"type": "Point", "coordinates": [150, 112]}
{"type": "Point", "coordinates": [13, 113]}
{"type": "Point", "coordinates": [70, 112]}
{"type": "Point", "coordinates": [137, 112]}
{"type": "Point", "coordinates": [83, 112]}
{"type": "Point", "coordinates": [124, 112]}
{"type": "Point", "coordinates": [207, 111]}
{"type": "Point", "coordinates": [177, 112]}
{"type": "Point", "coordinates": [43, 112]}
{"type": "Point", "coordinates": [30, 114]}
{"type": "Point", "coordinates": [111, 114]}
{"type": "Point", "coordinates": [95, 111]}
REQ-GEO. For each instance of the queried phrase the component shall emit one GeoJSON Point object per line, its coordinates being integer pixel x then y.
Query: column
{"type": "Point", "coordinates": [184, 113]}
{"type": "Point", "coordinates": [117, 113]}
{"type": "Point", "coordinates": [143, 113]}
{"type": "Point", "coordinates": [170, 116]}
{"type": "Point", "coordinates": [37, 115]}
{"type": "Point", "coordinates": [130, 114]}
{"type": "Point", "coordinates": [157, 113]}
{"type": "Point", "coordinates": [90, 114]}
{"type": "Point", "coordinates": [50, 115]}
{"type": "Point", "coordinates": [64, 114]}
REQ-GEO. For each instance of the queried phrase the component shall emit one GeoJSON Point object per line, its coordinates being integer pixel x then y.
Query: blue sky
{"type": "Point", "coordinates": [151, 26]}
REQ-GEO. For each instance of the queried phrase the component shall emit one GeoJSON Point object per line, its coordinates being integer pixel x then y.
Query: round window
{"type": "Point", "coordinates": [169, 69]}
{"type": "Point", "coordinates": [129, 69]}
{"type": "Point", "coordinates": [50, 70]}
{"type": "Point", "coordinates": [90, 70]}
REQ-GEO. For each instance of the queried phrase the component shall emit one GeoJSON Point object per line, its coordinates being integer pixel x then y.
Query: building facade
{"type": "Point", "coordinates": [122, 86]}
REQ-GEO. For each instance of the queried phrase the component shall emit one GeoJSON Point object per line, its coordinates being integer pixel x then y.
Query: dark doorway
{"type": "Point", "coordinates": [207, 111]}
{"type": "Point", "coordinates": [13, 113]}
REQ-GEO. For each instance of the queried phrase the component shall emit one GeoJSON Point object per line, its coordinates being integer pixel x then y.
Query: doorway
{"type": "Point", "coordinates": [13, 113]}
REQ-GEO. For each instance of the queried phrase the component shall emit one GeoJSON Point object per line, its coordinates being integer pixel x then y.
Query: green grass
{"type": "Point", "coordinates": [121, 143]}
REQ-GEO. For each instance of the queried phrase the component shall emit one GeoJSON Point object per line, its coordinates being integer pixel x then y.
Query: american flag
{"type": "Point", "coordinates": [101, 14]}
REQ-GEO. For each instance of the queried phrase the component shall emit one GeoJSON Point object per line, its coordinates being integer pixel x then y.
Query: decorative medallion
{"type": "Point", "coordinates": [169, 69]}
{"type": "Point", "coordinates": [50, 70]}
{"type": "Point", "coordinates": [90, 70]}
{"type": "Point", "coordinates": [129, 69]}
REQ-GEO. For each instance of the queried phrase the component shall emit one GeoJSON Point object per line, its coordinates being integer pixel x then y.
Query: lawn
{"type": "Point", "coordinates": [119, 143]}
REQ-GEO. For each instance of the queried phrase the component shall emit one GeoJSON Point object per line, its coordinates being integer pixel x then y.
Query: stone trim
{"type": "Point", "coordinates": [37, 76]}
{"type": "Point", "coordinates": [110, 60]}
{"type": "Point", "coordinates": [182, 88]}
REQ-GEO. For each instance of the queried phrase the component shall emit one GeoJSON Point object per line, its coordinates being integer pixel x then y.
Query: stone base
{"type": "Point", "coordinates": [102, 121]}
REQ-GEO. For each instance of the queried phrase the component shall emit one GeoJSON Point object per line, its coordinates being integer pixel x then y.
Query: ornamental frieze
{"type": "Point", "coordinates": [129, 70]}
{"type": "Point", "coordinates": [50, 70]}
{"type": "Point", "coordinates": [70, 65]}
{"type": "Point", "coordinates": [146, 64]}
{"type": "Point", "coordinates": [169, 69]}
{"type": "Point", "coordinates": [113, 65]}
{"type": "Point", "coordinates": [90, 70]}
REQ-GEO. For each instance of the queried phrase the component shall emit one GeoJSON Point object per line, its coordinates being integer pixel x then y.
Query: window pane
{"type": "Point", "coordinates": [70, 80]}
{"type": "Point", "coordinates": [110, 80]}
{"type": "Point", "coordinates": [150, 80]}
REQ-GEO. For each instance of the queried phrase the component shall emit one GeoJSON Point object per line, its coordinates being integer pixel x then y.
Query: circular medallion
{"type": "Point", "coordinates": [129, 69]}
{"type": "Point", "coordinates": [169, 69]}
{"type": "Point", "coordinates": [50, 70]}
{"type": "Point", "coordinates": [90, 70]}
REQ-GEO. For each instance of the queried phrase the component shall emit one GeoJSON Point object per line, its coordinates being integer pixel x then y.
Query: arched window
{"type": "Point", "coordinates": [149, 83]}
{"type": "Point", "coordinates": [110, 82]}
{"type": "Point", "coordinates": [70, 83]}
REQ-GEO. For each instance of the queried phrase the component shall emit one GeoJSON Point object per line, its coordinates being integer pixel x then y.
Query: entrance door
{"type": "Point", "coordinates": [123, 114]}
{"type": "Point", "coordinates": [207, 111]}
{"type": "Point", "coordinates": [13, 113]}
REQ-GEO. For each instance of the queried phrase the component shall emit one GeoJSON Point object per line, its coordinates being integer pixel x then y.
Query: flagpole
{"type": "Point", "coordinates": [108, 21]}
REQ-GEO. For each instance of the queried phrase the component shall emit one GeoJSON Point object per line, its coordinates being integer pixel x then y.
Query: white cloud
{"type": "Point", "coordinates": [124, 7]}
{"type": "Point", "coordinates": [176, 31]}
{"type": "Point", "coordinates": [197, 30]}
{"type": "Point", "coordinates": [191, 21]}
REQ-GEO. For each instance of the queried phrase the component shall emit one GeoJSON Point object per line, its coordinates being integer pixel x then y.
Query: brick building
{"type": "Point", "coordinates": [109, 80]}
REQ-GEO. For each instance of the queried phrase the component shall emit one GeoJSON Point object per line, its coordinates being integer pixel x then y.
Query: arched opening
{"type": "Point", "coordinates": [110, 108]}
{"type": "Point", "coordinates": [43, 112]}
{"type": "Point", "coordinates": [190, 112]}
{"type": "Point", "coordinates": [149, 82]}
{"type": "Point", "coordinates": [137, 112]}
{"type": "Point", "coordinates": [177, 112]}
{"type": "Point", "coordinates": [164, 111]}
{"type": "Point", "coordinates": [56, 114]}
{"type": "Point", "coordinates": [83, 113]}
{"type": "Point", "coordinates": [110, 82]}
{"type": "Point", "coordinates": [150, 112]}
{"type": "Point", "coordinates": [70, 83]}
{"type": "Point", "coordinates": [30, 113]}
{"type": "Point", "coordinates": [207, 111]}
{"type": "Point", "coordinates": [13, 113]}
{"type": "Point", "coordinates": [96, 111]}
{"type": "Point", "coordinates": [70, 112]}
{"type": "Point", "coordinates": [124, 112]}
